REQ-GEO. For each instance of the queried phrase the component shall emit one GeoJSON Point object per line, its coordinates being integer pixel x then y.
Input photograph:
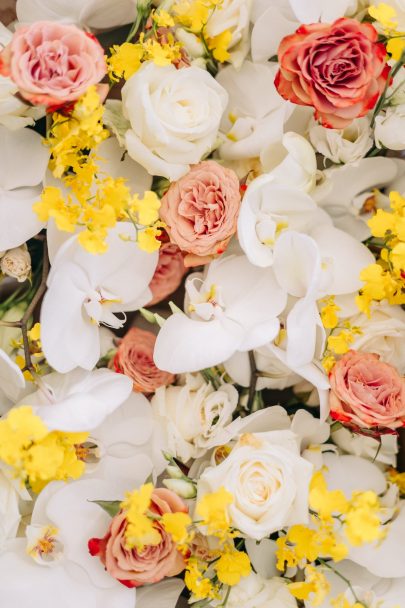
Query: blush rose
{"type": "Point", "coordinates": [134, 358]}
{"type": "Point", "coordinates": [367, 393]}
{"type": "Point", "coordinates": [201, 211]}
{"type": "Point", "coordinates": [132, 567]}
{"type": "Point", "coordinates": [168, 274]}
{"type": "Point", "coordinates": [339, 69]}
{"type": "Point", "coordinates": [52, 63]}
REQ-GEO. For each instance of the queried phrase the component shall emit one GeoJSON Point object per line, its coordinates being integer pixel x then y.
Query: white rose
{"type": "Point", "coordinates": [174, 116]}
{"type": "Point", "coordinates": [254, 591]}
{"type": "Point", "coordinates": [268, 479]}
{"type": "Point", "coordinates": [367, 447]}
{"type": "Point", "coordinates": [342, 145]}
{"type": "Point", "coordinates": [390, 128]}
{"type": "Point", "coordinates": [383, 333]}
{"type": "Point", "coordinates": [16, 263]}
{"type": "Point", "coordinates": [192, 416]}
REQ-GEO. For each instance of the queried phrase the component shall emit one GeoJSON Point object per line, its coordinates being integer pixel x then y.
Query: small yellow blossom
{"type": "Point", "coordinates": [325, 502]}
{"type": "Point", "coordinates": [200, 586]}
{"type": "Point", "coordinates": [329, 312]}
{"type": "Point", "coordinates": [384, 14]}
{"type": "Point", "coordinates": [397, 478]}
{"type": "Point", "coordinates": [340, 344]}
{"type": "Point", "coordinates": [232, 566]}
{"type": "Point", "coordinates": [315, 584]}
{"type": "Point", "coordinates": [362, 524]}
{"type": "Point", "coordinates": [176, 524]}
{"type": "Point", "coordinates": [145, 210]}
{"type": "Point", "coordinates": [139, 531]}
{"type": "Point", "coordinates": [162, 18]}
{"type": "Point", "coordinates": [148, 238]}
{"type": "Point", "coordinates": [219, 45]}
{"type": "Point", "coordinates": [213, 509]}
{"type": "Point", "coordinates": [124, 61]}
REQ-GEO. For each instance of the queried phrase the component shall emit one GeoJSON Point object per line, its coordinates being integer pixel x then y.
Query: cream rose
{"type": "Point", "coordinates": [254, 591]}
{"type": "Point", "coordinates": [174, 116]}
{"type": "Point", "coordinates": [390, 128]}
{"type": "Point", "coordinates": [192, 415]}
{"type": "Point", "coordinates": [268, 479]}
{"type": "Point", "coordinates": [16, 263]}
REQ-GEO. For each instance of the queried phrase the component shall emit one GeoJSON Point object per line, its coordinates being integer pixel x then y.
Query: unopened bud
{"type": "Point", "coordinates": [181, 487]}
{"type": "Point", "coordinates": [174, 472]}
{"type": "Point", "coordinates": [16, 263]}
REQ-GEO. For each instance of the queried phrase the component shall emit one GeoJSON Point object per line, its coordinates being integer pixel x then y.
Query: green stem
{"type": "Point", "coordinates": [343, 578]}
{"type": "Point", "coordinates": [381, 102]}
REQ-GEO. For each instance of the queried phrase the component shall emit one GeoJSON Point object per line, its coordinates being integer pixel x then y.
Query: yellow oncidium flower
{"type": "Point", "coordinates": [139, 530]}
{"type": "Point", "coordinates": [315, 584]}
{"type": "Point", "coordinates": [35, 454]}
{"type": "Point", "coordinates": [213, 509]}
{"type": "Point", "coordinates": [177, 524]}
{"type": "Point", "coordinates": [232, 566]}
{"type": "Point", "coordinates": [397, 478]}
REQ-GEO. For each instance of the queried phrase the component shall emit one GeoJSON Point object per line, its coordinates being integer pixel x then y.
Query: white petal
{"type": "Point", "coordinates": [386, 558]}
{"type": "Point", "coordinates": [78, 518]}
{"type": "Point", "coordinates": [11, 378]}
{"type": "Point", "coordinates": [311, 11]}
{"type": "Point", "coordinates": [348, 257]}
{"type": "Point", "coordinates": [22, 148]}
{"type": "Point", "coordinates": [83, 399]}
{"type": "Point", "coordinates": [17, 216]}
{"type": "Point", "coordinates": [137, 179]}
{"type": "Point", "coordinates": [62, 321]}
{"type": "Point", "coordinates": [263, 557]}
{"type": "Point", "coordinates": [185, 345]}
{"type": "Point", "coordinates": [161, 595]}
{"type": "Point", "coordinates": [364, 475]}
{"type": "Point", "coordinates": [155, 165]}
{"type": "Point", "coordinates": [263, 45]}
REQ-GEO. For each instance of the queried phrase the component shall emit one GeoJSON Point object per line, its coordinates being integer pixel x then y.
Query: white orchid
{"type": "Point", "coordinates": [95, 14]}
{"type": "Point", "coordinates": [80, 400]}
{"type": "Point", "coordinates": [85, 291]}
{"type": "Point", "coordinates": [255, 113]}
{"type": "Point", "coordinates": [234, 307]}
{"type": "Point", "coordinates": [371, 590]}
{"type": "Point", "coordinates": [352, 193]}
{"type": "Point", "coordinates": [19, 190]}
{"type": "Point", "coordinates": [66, 517]}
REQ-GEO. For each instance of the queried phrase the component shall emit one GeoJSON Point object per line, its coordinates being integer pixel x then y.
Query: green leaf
{"type": "Point", "coordinates": [112, 507]}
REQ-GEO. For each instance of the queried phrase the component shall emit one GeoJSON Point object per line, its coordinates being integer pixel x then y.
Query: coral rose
{"type": "Point", "coordinates": [201, 211]}
{"type": "Point", "coordinates": [134, 358]}
{"type": "Point", "coordinates": [367, 393]}
{"type": "Point", "coordinates": [339, 69]}
{"type": "Point", "coordinates": [52, 63]}
{"type": "Point", "coordinates": [168, 274]}
{"type": "Point", "coordinates": [132, 567]}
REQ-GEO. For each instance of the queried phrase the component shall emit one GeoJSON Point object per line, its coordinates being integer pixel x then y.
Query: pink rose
{"type": "Point", "coordinates": [168, 274]}
{"type": "Point", "coordinates": [52, 63]}
{"type": "Point", "coordinates": [367, 393]}
{"type": "Point", "coordinates": [201, 211]}
{"type": "Point", "coordinates": [339, 69]}
{"type": "Point", "coordinates": [135, 568]}
{"type": "Point", "coordinates": [134, 358]}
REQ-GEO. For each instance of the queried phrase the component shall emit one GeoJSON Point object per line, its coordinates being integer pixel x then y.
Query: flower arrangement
{"type": "Point", "coordinates": [202, 291]}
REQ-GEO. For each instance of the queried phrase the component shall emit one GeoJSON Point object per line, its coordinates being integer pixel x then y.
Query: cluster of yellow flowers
{"type": "Point", "coordinates": [205, 576]}
{"type": "Point", "coordinates": [194, 15]}
{"type": "Point", "coordinates": [159, 44]}
{"type": "Point", "coordinates": [385, 280]}
{"type": "Point", "coordinates": [342, 334]}
{"type": "Point", "coordinates": [90, 201]}
{"type": "Point", "coordinates": [332, 514]}
{"type": "Point", "coordinates": [36, 455]}
{"type": "Point", "coordinates": [386, 16]}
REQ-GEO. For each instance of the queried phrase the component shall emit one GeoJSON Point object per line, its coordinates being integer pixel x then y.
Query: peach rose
{"type": "Point", "coordinates": [168, 274]}
{"type": "Point", "coordinates": [339, 69]}
{"type": "Point", "coordinates": [52, 63]}
{"type": "Point", "coordinates": [367, 393]}
{"type": "Point", "coordinates": [134, 358]}
{"type": "Point", "coordinates": [201, 211]}
{"type": "Point", "coordinates": [135, 568]}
